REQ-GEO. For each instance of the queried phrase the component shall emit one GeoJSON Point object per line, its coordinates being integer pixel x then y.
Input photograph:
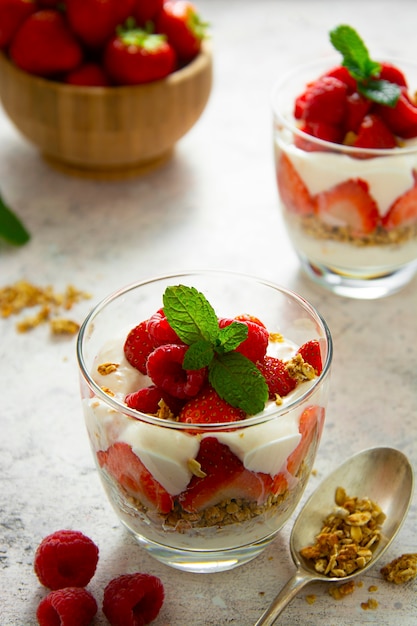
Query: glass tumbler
{"type": "Point", "coordinates": [359, 262]}
{"type": "Point", "coordinates": [147, 464]}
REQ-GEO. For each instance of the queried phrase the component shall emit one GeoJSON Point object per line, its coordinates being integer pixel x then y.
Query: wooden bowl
{"type": "Point", "coordinates": [106, 131]}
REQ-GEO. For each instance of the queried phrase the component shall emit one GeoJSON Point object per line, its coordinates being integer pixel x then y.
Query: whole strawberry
{"type": "Point", "coordinates": [12, 15]}
{"type": "Point", "coordinates": [95, 21]}
{"type": "Point", "coordinates": [44, 45]}
{"type": "Point", "coordinates": [180, 22]}
{"type": "Point", "coordinates": [134, 56]}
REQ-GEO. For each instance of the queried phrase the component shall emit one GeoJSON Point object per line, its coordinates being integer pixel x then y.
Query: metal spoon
{"type": "Point", "coordinates": [385, 476]}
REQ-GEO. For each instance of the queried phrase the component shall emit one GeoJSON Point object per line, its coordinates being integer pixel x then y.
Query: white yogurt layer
{"type": "Point", "coordinates": [165, 451]}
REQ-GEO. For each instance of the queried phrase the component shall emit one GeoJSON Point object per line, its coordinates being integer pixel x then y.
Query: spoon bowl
{"type": "Point", "coordinates": [385, 476]}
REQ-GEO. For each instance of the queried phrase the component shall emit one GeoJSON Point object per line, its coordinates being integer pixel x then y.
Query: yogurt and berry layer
{"type": "Point", "coordinates": [229, 417]}
{"type": "Point", "coordinates": [347, 176]}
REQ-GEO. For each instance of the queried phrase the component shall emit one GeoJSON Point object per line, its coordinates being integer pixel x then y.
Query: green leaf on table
{"type": "Point", "coordinates": [11, 227]}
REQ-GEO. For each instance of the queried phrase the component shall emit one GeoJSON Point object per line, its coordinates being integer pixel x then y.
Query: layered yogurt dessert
{"type": "Point", "coordinates": [346, 161]}
{"type": "Point", "coordinates": [204, 428]}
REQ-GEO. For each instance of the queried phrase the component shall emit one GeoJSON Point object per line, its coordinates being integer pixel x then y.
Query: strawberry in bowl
{"type": "Point", "coordinates": [345, 137]}
{"type": "Point", "coordinates": [204, 420]}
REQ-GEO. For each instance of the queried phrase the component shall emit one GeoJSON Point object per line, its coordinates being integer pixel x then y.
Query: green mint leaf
{"type": "Point", "coordinates": [238, 381]}
{"type": "Point", "coordinates": [190, 314]}
{"type": "Point", "coordinates": [198, 355]}
{"type": "Point", "coordinates": [230, 337]}
{"type": "Point", "coordinates": [381, 91]}
{"type": "Point", "coordinates": [11, 228]}
{"type": "Point", "coordinates": [362, 68]}
{"type": "Point", "coordinates": [354, 52]}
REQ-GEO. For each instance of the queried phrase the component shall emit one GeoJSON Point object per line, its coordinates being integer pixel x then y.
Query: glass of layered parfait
{"type": "Point", "coordinates": [204, 396]}
{"type": "Point", "coordinates": [345, 140]}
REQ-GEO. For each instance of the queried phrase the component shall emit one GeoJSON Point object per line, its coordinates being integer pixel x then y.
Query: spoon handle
{"type": "Point", "coordinates": [290, 589]}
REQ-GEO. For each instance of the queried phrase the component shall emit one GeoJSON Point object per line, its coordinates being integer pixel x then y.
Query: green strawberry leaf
{"type": "Point", "coordinates": [238, 381]}
{"type": "Point", "coordinates": [199, 354]}
{"type": "Point", "coordinates": [230, 337]}
{"type": "Point", "coordinates": [362, 68]}
{"type": "Point", "coordinates": [190, 314]}
{"type": "Point", "coordinates": [11, 228]}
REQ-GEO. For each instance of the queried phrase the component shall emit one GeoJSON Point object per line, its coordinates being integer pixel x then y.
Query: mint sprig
{"type": "Point", "coordinates": [235, 378]}
{"type": "Point", "coordinates": [362, 68]}
{"type": "Point", "coordinates": [11, 228]}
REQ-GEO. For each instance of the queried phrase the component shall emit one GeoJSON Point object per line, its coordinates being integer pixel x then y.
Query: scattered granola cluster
{"type": "Point", "coordinates": [347, 536]}
{"type": "Point", "coordinates": [22, 295]}
{"type": "Point", "coordinates": [401, 569]}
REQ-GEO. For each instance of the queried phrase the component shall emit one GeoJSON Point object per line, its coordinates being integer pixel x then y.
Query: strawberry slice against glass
{"type": "Point", "coordinates": [404, 210]}
{"type": "Point", "coordinates": [225, 478]}
{"type": "Point", "coordinates": [348, 204]}
{"type": "Point", "coordinates": [311, 422]}
{"type": "Point", "coordinates": [44, 45]}
{"type": "Point", "coordinates": [182, 25]}
{"type": "Point", "coordinates": [128, 470]}
{"type": "Point", "coordinates": [294, 194]}
{"type": "Point", "coordinates": [134, 56]}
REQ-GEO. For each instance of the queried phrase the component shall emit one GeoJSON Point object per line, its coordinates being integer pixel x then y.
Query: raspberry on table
{"type": "Point", "coordinates": [72, 606]}
{"type": "Point", "coordinates": [133, 599]}
{"type": "Point", "coordinates": [66, 558]}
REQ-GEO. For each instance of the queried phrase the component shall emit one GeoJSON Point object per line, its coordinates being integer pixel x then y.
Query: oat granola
{"type": "Point", "coordinates": [23, 295]}
{"type": "Point", "coordinates": [319, 230]}
{"type": "Point", "coordinates": [401, 569]}
{"type": "Point", "coordinates": [347, 538]}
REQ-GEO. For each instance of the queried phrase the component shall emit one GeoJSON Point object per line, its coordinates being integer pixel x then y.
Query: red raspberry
{"type": "Point", "coordinates": [66, 558]}
{"type": "Point", "coordinates": [255, 345]}
{"type": "Point", "coordinates": [133, 599]}
{"type": "Point", "coordinates": [72, 606]}
{"type": "Point", "coordinates": [165, 369]}
{"type": "Point", "coordinates": [277, 377]}
{"type": "Point", "coordinates": [138, 346]}
{"type": "Point", "coordinates": [147, 400]}
{"type": "Point", "coordinates": [160, 330]}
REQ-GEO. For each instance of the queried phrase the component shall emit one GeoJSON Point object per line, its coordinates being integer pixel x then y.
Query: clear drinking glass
{"type": "Point", "coordinates": [348, 263]}
{"type": "Point", "coordinates": [277, 447]}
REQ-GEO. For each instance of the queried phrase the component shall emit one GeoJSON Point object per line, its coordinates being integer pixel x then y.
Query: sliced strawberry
{"type": "Point", "coordinates": [320, 130]}
{"type": "Point", "coordinates": [342, 73]}
{"type": "Point", "coordinates": [226, 479]}
{"type": "Point", "coordinates": [164, 367]}
{"type": "Point", "coordinates": [310, 351]}
{"type": "Point", "coordinates": [277, 377]}
{"type": "Point", "coordinates": [294, 194]}
{"type": "Point", "coordinates": [404, 209]}
{"type": "Point", "coordinates": [310, 426]}
{"type": "Point", "coordinates": [208, 408]}
{"type": "Point", "coordinates": [374, 133]}
{"type": "Point", "coordinates": [255, 345]}
{"type": "Point", "coordinates": [124, 466]}
{"type": "Point", "coordinates": [401, 119]}
{"type": "Point", "coordinates": [325, 101]}
{"type": "Point", "coordinates": [138, 346]}
{"type": "Point", "coordinates": [356, 108]}
{"type": "Point", "coordinates": [348, 204]}
{"type": "Point", "coordinates": [279, 484]}
{"type": "Point", "coordinates": [392, 74]}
